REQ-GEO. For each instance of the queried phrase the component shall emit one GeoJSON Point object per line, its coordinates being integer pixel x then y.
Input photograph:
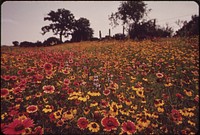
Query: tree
{"type": "Point", "coordinates": [190, 28]}
{"type": "Point", "coordinates": [62, 23]}
{"type": "Point", "coordinates": [15, 43]}
{"type": "Point", "coordinates": [82, 30]}
{"type": "Point", "coordinates": [51, 41]}
{"type": "Point", "coordinates": [130, 12]}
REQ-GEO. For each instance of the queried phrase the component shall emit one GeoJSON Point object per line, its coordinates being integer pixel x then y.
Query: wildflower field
{"type": "Point", "coordinates": [107, 87]}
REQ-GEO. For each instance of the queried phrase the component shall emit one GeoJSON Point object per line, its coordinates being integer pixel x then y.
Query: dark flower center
{"type": "Point", "coordinates": [68, 112]}
{"type": "Point", "coordinates": [94, 126]}
{"type": "Point", "coordinates": [83, 122]}
{"type": "Point", "coordinates": [19, 127]}
{"type": "Point", "coordinates": [48, 88]}
{"type": "Point", "coordinates": [58, 113]}
{"type": "Point", "coordinates": [129, 127]}
{"type": "Point", "coordinates": [110, 123]}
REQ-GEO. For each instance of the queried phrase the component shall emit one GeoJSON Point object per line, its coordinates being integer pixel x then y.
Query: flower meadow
{"type": "Point", "coordinates": [107, 87]}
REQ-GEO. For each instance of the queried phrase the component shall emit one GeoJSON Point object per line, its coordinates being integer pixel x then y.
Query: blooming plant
{"type": "Point", "coordinates": [107, 87]}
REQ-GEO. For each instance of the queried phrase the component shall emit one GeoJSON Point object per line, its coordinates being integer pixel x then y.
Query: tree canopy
{"type": "Point", "coordinates": [62, 23]}
{"type": "Point", "coordinates": [82, 30]}
{"type": "Point", "coordinates": [190, 28]}
{"type": "Point", "coordinates": [129, 12]}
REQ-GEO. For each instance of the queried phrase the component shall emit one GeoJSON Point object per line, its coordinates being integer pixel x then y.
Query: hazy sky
{"type": "Point", "coordinates": [23, 20]}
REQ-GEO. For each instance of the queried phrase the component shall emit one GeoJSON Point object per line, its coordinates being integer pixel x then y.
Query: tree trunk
{"type": "Point", "coordinates": [61, 33]}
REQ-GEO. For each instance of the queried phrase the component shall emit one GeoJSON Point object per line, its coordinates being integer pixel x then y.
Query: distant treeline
{"type": "Point", "coordinates": [55, 41]}
{"type": "Point", "coordinates": [131, 13]}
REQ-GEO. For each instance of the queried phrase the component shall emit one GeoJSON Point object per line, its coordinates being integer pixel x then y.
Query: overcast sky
{"type": "Point", "coordinates": [23, 20]}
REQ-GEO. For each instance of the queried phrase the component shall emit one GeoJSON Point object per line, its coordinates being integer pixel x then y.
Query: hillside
{"type": "Point", "coordinates": [108, 87]}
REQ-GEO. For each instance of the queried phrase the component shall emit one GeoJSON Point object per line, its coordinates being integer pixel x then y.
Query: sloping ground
{"type": "Point", "coordinates": [110, 87]}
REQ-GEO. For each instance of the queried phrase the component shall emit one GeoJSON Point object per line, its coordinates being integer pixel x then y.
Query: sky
{"type": "Point", "coordinates": [23, 20]}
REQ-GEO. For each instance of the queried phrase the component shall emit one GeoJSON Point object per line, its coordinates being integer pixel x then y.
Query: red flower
{"type": "Point", "coordinates": [104, 103]}
{"type": "Point", "coordinates": [4, 92]}
{"type": "Point", "coordinates": [176, 116]}
{"type": "Point", "coordinates": [178, 95]}
{"type": "Point", "coordinates": [106, 92]}
{"type": "Point", "coordinates": [14, 77]}
{"type": "Point", "coordinates": [17, 90]}
{"type": "Point", "coordinates": [159, 75]}
{"type": "Point", "coordinates": [6, 77]}
{"type": "Point", "coordinates": [18, 126]}
{"type": "Point", "coordinates": [48, 66]}
{"type": "Point", "coordinates": [66, 82]}
{"type": "Point", "coordinates": [48, 89]}
{"type": "Point", "coordinates": [29, 70]}
{"type": "Point", "coordinates": [110, 123]}
{"type": "Point", "coordinates": [128, 127]}
{"type": "Point", "coordinates": [32, 108]}
{"type": "Point", "coordinates": [82, 123]}
{"type": "Point", "coordinates": [38, 131]}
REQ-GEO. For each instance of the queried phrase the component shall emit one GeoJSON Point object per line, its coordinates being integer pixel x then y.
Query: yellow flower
{"type": "Point", "coordinates": [114, 109]}
{"type": "Point", "coordinates": [140, 93]}
{"type": "Point", "coordinates": [27, 131]}
{"type": "Point", "coordinates": [3, 116]}
{"type": "Point", "coordinates": [86, 110]}
{"type": "Point", "coordinates": [45, 100]}
{"type": "Point", "coordinates": [90, 78]}
{"type": "Point", "coordinates": [143, 122]}
{"type": "Point", "coordinates": [68, 115]}
{"type": "Point", "coordinates": [72, 97]}
{"type": "Point", "coordinates": [23, 117]}
{"type": "Point", "coordinates": [158, 102]}
{"type": "Point", "coordinates": [82, 98]}
{"type": "Point", "coordinates": [94, 93]}
{"type": "Point", "coordinates": [72, 78]}
{"type": "Point", "coordinates": [38, 94]}
{"type": "Point", "coordinates": [160, 109]}
{"type": "Point", "coordinates": [145, 79]}
{"type": "Point", "coordinates": [47, 109]}
{"type": "Point", "coordinates": [191, 123]}
{"type": "Point", "coordinates": [124, 112]}
{"type": "Point", "coordinates": [28, 97]}
{"type": "Point", "coordinates": [188, 93]}
{"type": "Point", "coordinates": [94, 127]}
{"type": "Point", "coordinates": [116, 86]}
{"type": "Point", "coordinates": [133, 79]}
{"type": "Point", "coordinates": [58, 114]}
{"type": "Point", "coordinates": [168, 84]}
{"type": "Point", "coordinates": [94, 103]}
{"type": "Point", "coordinates": [154, 115]}
{"type": "Point", "coordinates": [134, 107]}
{"type": "Point", "coordinates": [128, 102]}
